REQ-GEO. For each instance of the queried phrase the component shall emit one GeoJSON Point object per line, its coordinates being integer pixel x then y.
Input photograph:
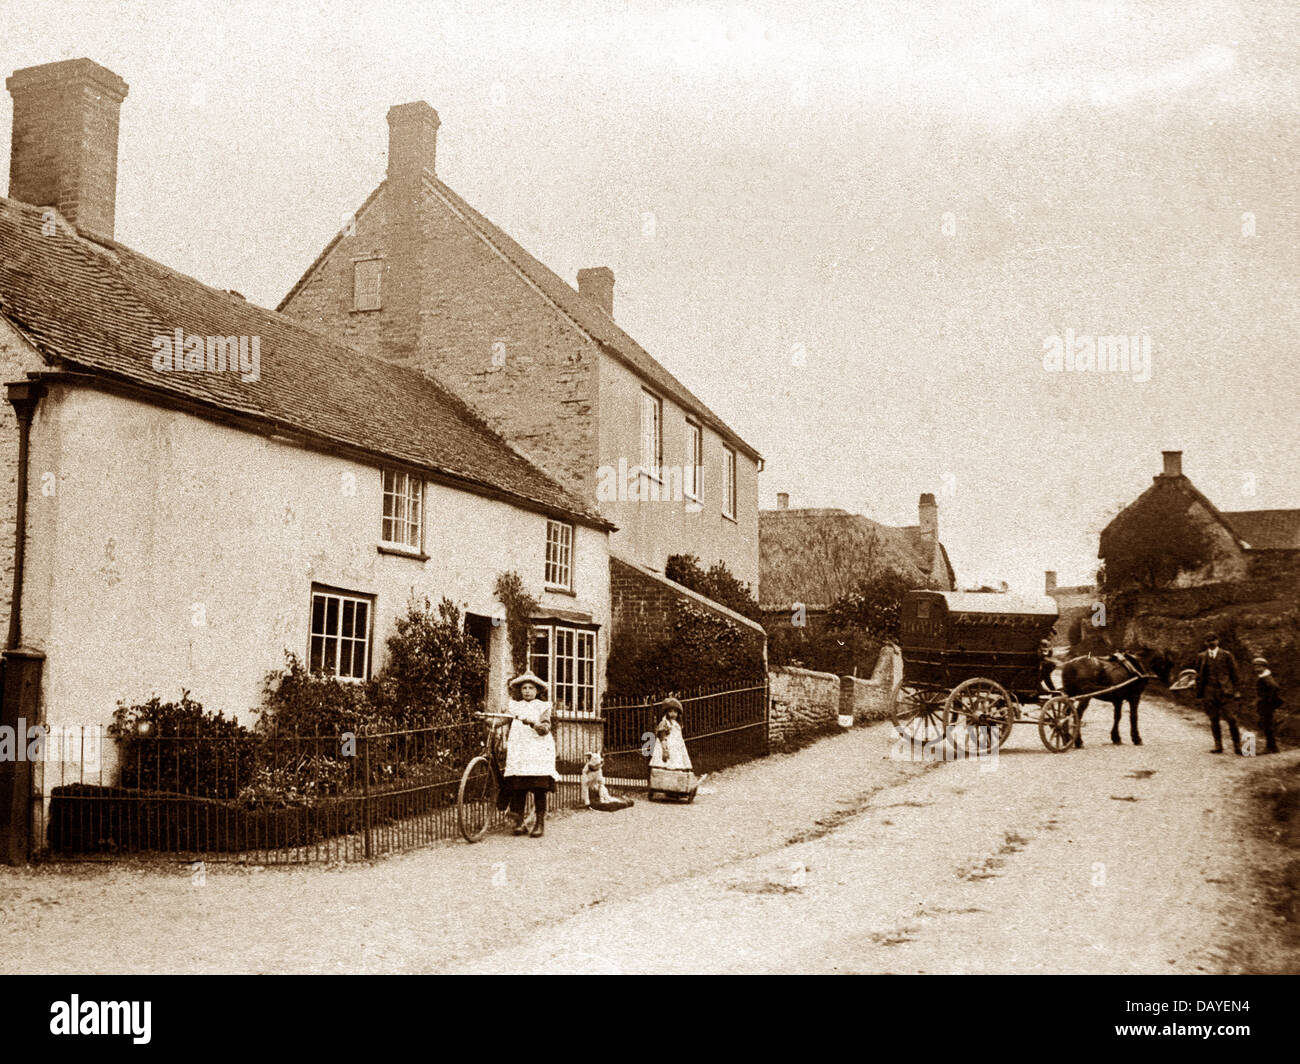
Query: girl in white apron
{"type": "Point", "coordinates": [670, 745]}
{"type": "Point", "coordinates": [530, 751]}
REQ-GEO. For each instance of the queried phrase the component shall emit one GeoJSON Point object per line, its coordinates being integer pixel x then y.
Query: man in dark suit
{"type": "Point", "coordinates": [1216, 683]}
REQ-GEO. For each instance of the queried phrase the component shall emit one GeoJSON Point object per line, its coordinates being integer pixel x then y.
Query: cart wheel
{"type": "Point", "coordinates": [1058, 724]}
{"type": "Point", "coordinates": [917, 713]}
{"type": "Point", "coordinates": [476, 800]}
{"type": "Point", "coordinates": [978, 715]}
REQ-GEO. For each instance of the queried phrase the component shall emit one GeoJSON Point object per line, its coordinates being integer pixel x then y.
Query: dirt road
{"type": "Point", "coordinates": [836, 858]}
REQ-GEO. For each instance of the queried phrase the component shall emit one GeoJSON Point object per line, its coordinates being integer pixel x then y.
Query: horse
{"type": "Point", "coordinates": [1081, 675]}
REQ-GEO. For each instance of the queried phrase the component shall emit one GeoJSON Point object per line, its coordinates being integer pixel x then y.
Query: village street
{"type": "Point", "coordinates": [832, 859]}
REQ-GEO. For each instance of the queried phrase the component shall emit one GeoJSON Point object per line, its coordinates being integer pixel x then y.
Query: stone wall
{"type": "Point", "coordinates": [867, 701]}
{"type": "Point", "coordinates": [805, 705]}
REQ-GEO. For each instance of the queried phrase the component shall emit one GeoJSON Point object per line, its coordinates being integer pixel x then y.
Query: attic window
{"type": "Point", "coordinates": [367, 274]}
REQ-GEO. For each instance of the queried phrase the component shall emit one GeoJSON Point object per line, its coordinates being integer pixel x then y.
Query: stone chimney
{"type": "Point", "coordinates": [1050, 580]}
{"type": "Point", "coordinates": [927, 512]}
{"type": "Point", "coordinates": [64, 147]}
{"type": "Point", "coordinates": [782, 500]}
{"type": "Point", "coordinates": [412, 150]}
{"type": "Point", "coordinates": [1173, 463]}
{"type": "Point", "coordinates": [597, 284]}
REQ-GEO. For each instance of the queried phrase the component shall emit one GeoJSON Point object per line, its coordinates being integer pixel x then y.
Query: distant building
{"type": "Point", "coordinates": [1235, 545]}
{"type": "Point", "coordinates": [814, 556]}
{"type": "Point", "coordinates": [1075, 604]}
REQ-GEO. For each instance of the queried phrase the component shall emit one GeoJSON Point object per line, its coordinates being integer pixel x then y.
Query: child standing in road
{"type": "Point", "coordinates": [670, 746]}
{"type": "Point", "coordinates": [1268, 700]}
{"type": "Point", "coordinates": [530, 752]}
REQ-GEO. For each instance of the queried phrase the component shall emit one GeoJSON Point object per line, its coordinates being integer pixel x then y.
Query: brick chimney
{"type": "Point", "coordinates": [597, 284]}
{"type": "Point", "coordinates": [412, 150]}
{"type": "Point", "coordinates": [64, 148]}
{"type": "Point", "coordinates": [1050, 580]}
{"type": "Point", "coordinates": [927, 512]}
{"type": "Point", "coordinates": [782, 500]}
{"type": "Point", "coordinates": [1173, 463]}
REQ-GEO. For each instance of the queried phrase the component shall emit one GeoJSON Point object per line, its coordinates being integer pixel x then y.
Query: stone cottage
{"type": "Point", "coordinates": [1176, 566]}
{"type": "Point", "coordinates": [422, 279]}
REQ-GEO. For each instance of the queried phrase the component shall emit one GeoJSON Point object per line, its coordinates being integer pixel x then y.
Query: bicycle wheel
{"type": "Point", "coordinates": [476, 802]}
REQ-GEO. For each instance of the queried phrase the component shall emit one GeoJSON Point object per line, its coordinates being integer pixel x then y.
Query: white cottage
{"type": "Point", "coordinates": [198, 484]}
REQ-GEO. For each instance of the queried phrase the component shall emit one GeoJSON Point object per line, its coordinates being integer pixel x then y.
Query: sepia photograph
{"type": "Point", "coordinates": [651, 488]}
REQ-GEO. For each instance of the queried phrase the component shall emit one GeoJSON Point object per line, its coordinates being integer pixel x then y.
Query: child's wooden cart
{"type": "Point", "coordinates": [679, 783]}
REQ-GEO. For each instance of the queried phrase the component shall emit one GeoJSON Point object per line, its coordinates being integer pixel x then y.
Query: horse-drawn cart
{"type": "Point", "coordinates": [971, 665]}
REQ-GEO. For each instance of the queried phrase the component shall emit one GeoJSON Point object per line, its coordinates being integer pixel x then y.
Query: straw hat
{"type": "Point", "coordinates": [670, 703]}
{"type": "Point", "coordinates": [543, 688]}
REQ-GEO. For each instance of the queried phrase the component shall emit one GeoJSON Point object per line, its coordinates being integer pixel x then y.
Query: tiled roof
{"type": "Point", "coordinates": [587, 315]}
{"type": "Point", "coordinates": [97, 308]}
{"type": "Point", "coordinates": [590, 318]}
{"type": "Point", "coordinates": [1267, 529]}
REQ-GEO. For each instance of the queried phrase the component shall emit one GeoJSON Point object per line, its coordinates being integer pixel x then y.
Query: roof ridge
{"type": "Point", "coordinates": [461, 207]}
{"type": "Point", "coordinates": [126, 276]}
{"type": "Point", "coordinates": [329, 247]}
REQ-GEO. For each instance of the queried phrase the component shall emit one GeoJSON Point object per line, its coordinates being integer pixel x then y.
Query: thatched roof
{"type": "Point", "coordinates": [814, 556]}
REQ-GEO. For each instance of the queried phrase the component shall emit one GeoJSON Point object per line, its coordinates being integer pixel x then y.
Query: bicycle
{"type": "Point", "coordinates": [480, 783]}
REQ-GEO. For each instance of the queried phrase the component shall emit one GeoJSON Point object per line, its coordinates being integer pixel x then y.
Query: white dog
{"type": "Point", "coordinates": [593, 780]}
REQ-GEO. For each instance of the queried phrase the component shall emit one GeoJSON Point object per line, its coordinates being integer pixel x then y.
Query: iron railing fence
{"type": "Point", "coordinates": [276, 799]}
{"type": "Point", "coordinates": [721, 726]}
{"type": "Point", "coordinates": [291, 798]}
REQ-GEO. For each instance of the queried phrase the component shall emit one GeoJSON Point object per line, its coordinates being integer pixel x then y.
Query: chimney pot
{"type": "Point", "coordinates": [63, 152]}
{"type": "Point", "coordinates": [1050, 580]}
{"type": "Point", "coordinates": [597, 284]}
{"type": "Point", "coordinates": [782, 500]}
{"type": "Point", "coordinates": [1173, 463]}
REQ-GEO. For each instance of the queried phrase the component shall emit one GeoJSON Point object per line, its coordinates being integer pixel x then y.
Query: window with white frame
{"type": "Point", "coordinates": [559, 555]}
{"type": "Point", "coordinates": [339, 639]}
{"type": "Point", "coordinates": [694, 460]}
{"type": "Point", "coordinates": [565, 657]}
{"type": "Point", "coordinates": [402, 509]}
{"type": "Point", "coordinates": [729, 482]}
{"type": "Point", "coordinates": [367, 276]}
{"type": "Point", "coordinates": [652, 433]}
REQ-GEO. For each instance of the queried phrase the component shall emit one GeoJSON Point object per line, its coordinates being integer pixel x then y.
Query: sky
{"type": "Point", "coordinates": [853, 229]}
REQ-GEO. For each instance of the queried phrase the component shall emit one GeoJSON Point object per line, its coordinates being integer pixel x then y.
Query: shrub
{"type": "Point", "coordinates": [843, 651]}
{"type": "Point", "coordinates": [700, 649]}
{"type": "Point", "coordinates": [433, 670]}
{"type": "Point", "coordinates": [519, 606]}
{"type": "Point", "coordinates": [875, 606]}
{"type": "Point", "coordinates": [717, 584]}
{"type": "Point", "coordinates": [295, 701]}
{"type": "Point", "coordinates": [180, 748]}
